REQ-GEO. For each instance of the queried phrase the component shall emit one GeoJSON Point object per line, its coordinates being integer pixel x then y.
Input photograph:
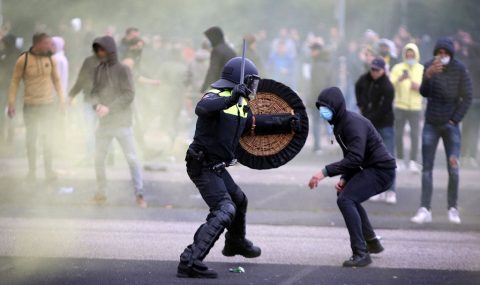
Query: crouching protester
{"type": "Point", "coordinates": [224, 117]}
{"type": "Point", "coordinates": [367, 169]}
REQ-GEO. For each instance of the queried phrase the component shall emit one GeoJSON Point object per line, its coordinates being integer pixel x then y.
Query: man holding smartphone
{"type": "Point", "coordinates": [448, 88]}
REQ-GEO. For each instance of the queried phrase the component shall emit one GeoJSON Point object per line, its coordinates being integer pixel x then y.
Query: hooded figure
{"type": "Point", "coordinates": [62, 62]}
{"type": "Point", "coordinates": [221, 53]}
{"type": "Point", "coordinates": [113, 86]}
{"type": "Point", "coordinates": [112, 98]}
{"type": "Point", "coordinates": [406, 78]}
{"type": "Point", "coordinates": [366, 169]}
{"type": "Point", "coordinates": [448, 88]}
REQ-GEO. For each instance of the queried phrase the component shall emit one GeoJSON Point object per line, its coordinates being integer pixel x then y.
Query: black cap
{"type": "Point", "coordinates": [378, 63]}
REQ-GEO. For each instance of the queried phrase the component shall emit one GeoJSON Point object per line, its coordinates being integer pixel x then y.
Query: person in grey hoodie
{"type": "Point", "coordinates": [112, 96]}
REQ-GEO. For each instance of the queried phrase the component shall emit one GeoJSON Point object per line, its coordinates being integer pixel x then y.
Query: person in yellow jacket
{"type": "Point", "coordinates": [406, 77]}
{"type": "Point", "coordinates": [38, 71]}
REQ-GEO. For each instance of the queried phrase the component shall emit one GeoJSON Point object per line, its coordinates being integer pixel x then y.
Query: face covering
{"type": "Point", "coordinates": [445, 60]}
{"type": "Point", "coordinates": [325, 113]}
{"type": "Point", "coordinates": [411, 61]}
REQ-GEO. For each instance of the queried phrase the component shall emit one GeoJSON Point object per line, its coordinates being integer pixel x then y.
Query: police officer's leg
{"type": "Point", "coordinates": [222, 211]}
{"type": "Point", "coordinates": [235, 241]}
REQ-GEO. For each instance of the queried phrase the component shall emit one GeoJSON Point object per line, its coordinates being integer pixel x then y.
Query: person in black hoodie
{"type": "Point", "coordinates": [367, 169]}
{"type": "Point", "coordinates": [220, 54]}
{"type": "Point", "coordinates": [375, 94]}
{"type": "Point", "coordinates": [112, 97]}
{"type": "Point", "coordinates": [448, 88]}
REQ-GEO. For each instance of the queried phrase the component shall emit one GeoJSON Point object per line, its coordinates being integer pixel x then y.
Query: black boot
{"type": "Point", "coordinates": [374, 245]}
{"type": "Point", "coordinates": [240, 246]}
{"type": "Point", "coordinates": [197, 270]}
{"type": "Point", "coordinates": [193, 268]}
{"type": "Point", "coordinates": [358, 260]}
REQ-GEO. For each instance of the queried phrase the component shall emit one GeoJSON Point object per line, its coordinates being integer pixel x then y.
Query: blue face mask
{"type": "Point", "coordinates": [411, 61]}
{"type": "Point", "coordinates": [326, 113]}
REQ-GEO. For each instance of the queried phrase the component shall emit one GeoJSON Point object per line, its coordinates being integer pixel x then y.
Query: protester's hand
{"type": "Point", "coordinates": [340, 185]}
{"type": "Point", "coordinates": [415, 86]}
{"type": "Point", "coordinates": [315, 180]}
{"type": "Point", "coordinates": [11, 112]}
{"type": "Point", "coordinates": [435, 68]}
{"type": "Point", "coordinates": [404, 76]}
{"type": "Point", "coordinates": [102, 110]}
{"type": "Point", "coordinates": [452, 123]}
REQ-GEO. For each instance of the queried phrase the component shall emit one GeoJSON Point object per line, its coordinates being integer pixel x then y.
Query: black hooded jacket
{"type": "Point", "coordinates": [449, 93]}
{"type": "Point", "coordinates": [221, 53]}
{"type": "Point", "coordinates": [113, 86]}
{"type": "Point", "coordinates": [375, 99]}
{"type": "Point", "coordinates": [361, 144]}
{"type": "Point", "coordinates": [85, 78]}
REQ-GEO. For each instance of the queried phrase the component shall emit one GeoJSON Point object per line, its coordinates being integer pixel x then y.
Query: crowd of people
{"type": "Point", "coordinates": [384, 79]}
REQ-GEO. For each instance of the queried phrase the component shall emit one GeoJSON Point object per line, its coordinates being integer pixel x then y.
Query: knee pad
{"type": "Point", "coordinates": [225, 213]}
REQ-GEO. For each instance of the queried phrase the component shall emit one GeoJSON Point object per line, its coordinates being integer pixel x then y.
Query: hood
{"type": "Point", "coordinates": [59, 43]}
{"type": "Point", "coordinates": [107, 43]}
{"type": "Point", "coordinates": [332, 98]}
{"type": "Point", "coordinates": [413, 47]}
{"type": "Point", "coordinates": [445, 43]}
{"type": "Point", "coordinates": [9, 42]}
{"type": "Point", "coordinates": [215, 36]}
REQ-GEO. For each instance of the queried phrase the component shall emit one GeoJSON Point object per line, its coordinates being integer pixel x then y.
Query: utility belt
{"type": "Point", "coordinates": [197, 160]}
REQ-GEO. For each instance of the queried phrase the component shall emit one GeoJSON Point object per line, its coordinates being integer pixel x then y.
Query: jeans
{"type": "Point", "coordinates": [362, 186]}
{"type": "Point", "coordinates": [470, 131]}
{"type": "Point", "coordinates": [402, 117]}
{"type": "Point", "coordinates": [124, 136]}
{"type": "Point", "coordinates": [450, 134]}
{"type": "Point", "coordinates": [91, 121]}
{"type": "Point", "coordinates": [388, 137]}
{"type": "Point", "coordinates": [38, 125]}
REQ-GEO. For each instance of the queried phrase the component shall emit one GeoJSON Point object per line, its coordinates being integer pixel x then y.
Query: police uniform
{"type": "Point", "coordinates": [223, 117]}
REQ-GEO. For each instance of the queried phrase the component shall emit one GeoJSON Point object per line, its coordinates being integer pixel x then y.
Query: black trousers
{"type": "Point", "coordinates": [228, 208]}
{"type": "Point", "coordinates": [363, 185]}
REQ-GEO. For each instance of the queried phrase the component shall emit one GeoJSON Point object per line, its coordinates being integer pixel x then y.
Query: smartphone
{"type": "Point", "coordinates": [405, 73]}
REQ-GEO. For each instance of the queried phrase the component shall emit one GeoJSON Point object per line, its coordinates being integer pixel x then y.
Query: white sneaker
{"type": "Point", "coordinates": [454, 216]}
{"type": "Point", "coordinates": [377, 198]}
{"type": "Point", "coordinates": [391, 197]}
{"type": "Point", "coordinates": [401, 165]}
{"type": "Point", "coordinates": [413, 167]}
{"type": "Point", "coordinates": [423, 216]}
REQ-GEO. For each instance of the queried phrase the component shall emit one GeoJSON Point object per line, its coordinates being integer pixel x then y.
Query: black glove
{"type": "Point", "coordinates": [295, 123]}
{"type": "Point", "coordinates": [240, 90]}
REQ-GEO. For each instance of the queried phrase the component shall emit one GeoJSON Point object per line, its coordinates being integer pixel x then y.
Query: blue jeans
{"type": "Point", "coordinates": [362, 186]}
{"type": "Point", "coordinates": [126, 140]}
{"type": "Point", "coordinates": [451, 137]}
{"type": "Point", "coordinates": [388, 137]}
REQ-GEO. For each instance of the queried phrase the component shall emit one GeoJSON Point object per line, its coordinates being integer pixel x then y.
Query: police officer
{"type": "Point", "coordinates": [223, 117]}
{"type": "Point", "coordinates": [367, 169]}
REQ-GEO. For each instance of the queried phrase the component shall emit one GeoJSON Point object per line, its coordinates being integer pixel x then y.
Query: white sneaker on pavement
{"type": "Point", "coordinates": [391, 197]}
{"type": "Point", "coordinates": [423, 216]}
{"type": "Point", "coordinates": [454, 216]}
{"type": "Point", "coordinates": [413, 167]}
{"type": "Point", "coordinates": [377, 198]}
